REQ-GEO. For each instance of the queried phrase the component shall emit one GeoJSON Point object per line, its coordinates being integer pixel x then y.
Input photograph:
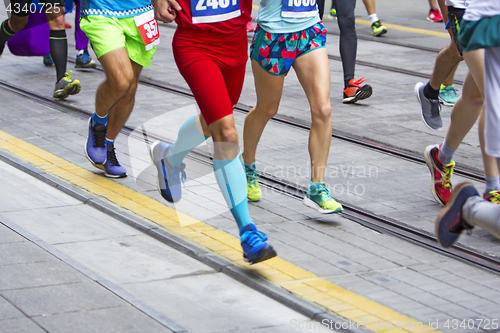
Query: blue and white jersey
{"type": "Point", "coordinates": [115, 8]}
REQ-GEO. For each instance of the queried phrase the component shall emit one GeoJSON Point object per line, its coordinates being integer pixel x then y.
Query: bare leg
{"type": "Point", "coordinates": [313, 71]}
{"type": "Point", "coordinates": [115, 96]}
{"type": "Point", "coordinates": [464, 113]}
{"type": "Point", "coordinates": [269, 89]}
{"type": "Point", "coordinates": [446, 62]}
{"type": "Point", "coordinates": [370, 6]}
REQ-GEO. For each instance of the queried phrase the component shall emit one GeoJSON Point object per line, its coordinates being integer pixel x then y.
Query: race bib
{"type": "Point", "coordinates": [148, 27]}
{"type": "Point", "coordinates": [210, 11]}
{"type": "Point", "coordinates": [299, 8]}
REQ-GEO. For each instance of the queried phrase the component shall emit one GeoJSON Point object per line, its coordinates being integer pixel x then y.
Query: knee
{"type": "Point", "coordinates": [17, 23]}
{"type": "Point", "coordinates": [266, 112]}
{"type": "Point", "coordinates": [226, 134]}
{"type": "Point", "coordinates": [123, 82]}
{"type": "Point", "coordinates": [323, 113]}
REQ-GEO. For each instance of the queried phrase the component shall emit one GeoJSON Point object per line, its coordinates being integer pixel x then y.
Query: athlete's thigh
{"type": "Point", "coordinates": [207, 83]}
{"type": "Point", "coordinates": [313, 72]}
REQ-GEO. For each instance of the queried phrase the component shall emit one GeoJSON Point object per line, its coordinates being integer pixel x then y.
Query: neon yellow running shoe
{"type": "Point", "coordinates": [253, 188]}
{"type": "Point", "coordinates": [318, 197]}
{"type": "Point", "coordinates": [66, 86]}
{"type": "Point", "coordinates": [333, 13]}
{"type": "Point", "coordinates": [378, 29]}
{"type": "Point", "coordinates": [492, 196]}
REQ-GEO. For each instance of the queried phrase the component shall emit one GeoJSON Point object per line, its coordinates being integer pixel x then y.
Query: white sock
{"type": "Point", "coordinates": [373, 18]}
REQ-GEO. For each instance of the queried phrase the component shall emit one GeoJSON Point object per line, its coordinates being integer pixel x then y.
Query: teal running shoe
{"type": "Point", "coordinates": [318, 198]}
{"type": "Point", "coordinates": [448, 95]}
{"type": "Point", "coordinates": [253, 188]}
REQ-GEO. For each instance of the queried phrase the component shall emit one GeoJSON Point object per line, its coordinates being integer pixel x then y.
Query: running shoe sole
{"type": "Point", "coordinates": [312, 204]}
{"type": "Point", "coordinates": [445, 103]}
{"type": "Point", "coordinates": [455, 204]}
{"type": "Point", "coordinates": [166, 193]}
{"type": "Point", "coordinates": [380, 33]}
{"type": "Point", "coordinates": [363, 93]}
{"type": "Point", "coordinates": [97, 165]}
{"type": "Point", "coordinates": [430, 164]}
{"type": "Point", "coordinates": [266, 253]}
{"type": "Point", "coordinates": [122, 175]}
{"type": "Point", "coordinates": [72, 88]}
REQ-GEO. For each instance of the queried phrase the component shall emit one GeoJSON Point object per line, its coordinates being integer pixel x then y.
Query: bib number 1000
{"type": "Point", "coordinates": [216, 4]}
{"type": "Point", "coordinates": [299, 3]}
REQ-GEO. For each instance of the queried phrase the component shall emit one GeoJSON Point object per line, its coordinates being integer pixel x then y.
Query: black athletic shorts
{"type": "Point", "coordinates": [454, 19]}
{"type": "Point", "coordinates": [25, 7]}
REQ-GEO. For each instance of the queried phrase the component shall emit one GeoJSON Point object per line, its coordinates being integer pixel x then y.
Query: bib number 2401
{"type": "Point", "coordinates": [210, 11]}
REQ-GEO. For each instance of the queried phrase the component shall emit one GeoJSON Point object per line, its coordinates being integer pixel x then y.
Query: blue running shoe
{"type": "Point", "coordinates": [170, 178]}
{"type": "Point", "coordinates": [83, 60]}
{"type": "Point", "coordinates": [47, 60]}
{"type": "Point", "coordinates": [112, 167]}
{"type": "Point", "coordinates": [95, 150]}
{"type": "Point", "coordinates": [449, 223]}
{"type": "Point", "coordinates": [255, 248]}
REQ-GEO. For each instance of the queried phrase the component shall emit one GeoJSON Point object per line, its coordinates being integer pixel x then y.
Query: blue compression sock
{"type": "Point", "coordinates": [446, 153]}
{"type": "Point", "coordinates": [230, 176]}
{"type": "Point", "coordinates": [188, 138]}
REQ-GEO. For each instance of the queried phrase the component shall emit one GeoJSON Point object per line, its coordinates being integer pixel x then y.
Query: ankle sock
{"type": "Point", "coordinates": [96, 119]}
{"type": "Point", "coordinates": [430, 92]}
{"type": "Point", "coordinates": [492, 184]}
{"type": "Point", "coordinates": [373, 18]}
{"type": "Point", "coordinates": [446, 153]}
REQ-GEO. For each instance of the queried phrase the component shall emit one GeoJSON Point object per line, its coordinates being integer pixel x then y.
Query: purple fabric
{"type": "Point", "coordinates": [33, 40]}
{"type": "Point", "coordinates": [80, 38]}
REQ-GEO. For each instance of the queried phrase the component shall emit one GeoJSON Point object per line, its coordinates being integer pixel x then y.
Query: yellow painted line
{"type": "Point", "coordinates": [353, 307]}
{"type": "Point", "coordinates": [414, 30]}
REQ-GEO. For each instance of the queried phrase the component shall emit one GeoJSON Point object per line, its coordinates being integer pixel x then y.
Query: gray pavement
{"type": "Point", "coordinates": [67, 267]}
{"type": "Point", "coordinates": [414, 281]}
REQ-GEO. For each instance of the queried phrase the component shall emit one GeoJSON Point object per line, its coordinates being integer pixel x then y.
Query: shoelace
{"type": "Point", "coordinates": [435, 107]}
{"type": "Point", "coordinates": [447, 172]}
{"type": "Point", "coordinates": [112, 157]}
{"type": "Point", "coordinates": [377, 24]}
{"type": "Point", "coordinates": [99, 137]}
{"type": "Point", "coordinates": [255, 236]}
{"type": "Point", "coordinates": [493, 196]}
{"type": "Point", "coordinates": [324, 193]}
{"type": "Point", "coordinates": [358, 82]}
{"type": "Point", "coordinates": [68, 75]}
{"type": "Point", "coordinates": [252, 178]}
{"type": "Point", "coordinates": [180, 170]}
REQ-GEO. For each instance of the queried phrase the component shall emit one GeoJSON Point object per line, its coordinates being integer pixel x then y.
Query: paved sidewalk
{"type": "Point", "coordinates": [67, 267]}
